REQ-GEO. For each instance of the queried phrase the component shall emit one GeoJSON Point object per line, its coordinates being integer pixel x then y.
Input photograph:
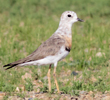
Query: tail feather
{"type": "Point", "coordinates": [7, 65]}
{"type": "Point", "coordinates": [13, 64]}
{"type": "Point", "coordinates": [16, 63]}
{"type": "Point", "coordinates": [10, 66]}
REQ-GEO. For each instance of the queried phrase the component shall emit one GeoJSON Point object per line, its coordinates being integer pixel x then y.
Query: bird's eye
{"type": "Point", "coordinates": [69, 15]}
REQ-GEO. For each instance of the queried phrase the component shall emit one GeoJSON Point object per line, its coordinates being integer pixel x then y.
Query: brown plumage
{"type": "Point", "coordinates": [68, 41]}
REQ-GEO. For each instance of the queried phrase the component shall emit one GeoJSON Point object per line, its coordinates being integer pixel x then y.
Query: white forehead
{"type": "Point", "coordinates": [67, 13]}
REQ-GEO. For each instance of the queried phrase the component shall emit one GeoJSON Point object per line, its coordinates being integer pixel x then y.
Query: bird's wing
{"type": "Point", "coordinates": [49, 47]}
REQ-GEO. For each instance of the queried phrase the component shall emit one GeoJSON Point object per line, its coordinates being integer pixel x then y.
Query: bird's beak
{"type": "Point", "coordinates": [80, 20]}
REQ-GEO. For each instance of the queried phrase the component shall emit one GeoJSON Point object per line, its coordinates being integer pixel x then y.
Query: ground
{"type": "Point", "coordinates": [84, 73]}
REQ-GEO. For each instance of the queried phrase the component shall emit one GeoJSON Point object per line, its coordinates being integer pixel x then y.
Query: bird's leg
{"type": "Point", "coordinates": [54, 75]}
{"type": "Point", "coordinates": [48, 75]}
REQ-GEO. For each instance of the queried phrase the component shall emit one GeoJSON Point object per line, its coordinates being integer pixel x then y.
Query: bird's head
{"type": "Point", "coordinates": [69, 17]}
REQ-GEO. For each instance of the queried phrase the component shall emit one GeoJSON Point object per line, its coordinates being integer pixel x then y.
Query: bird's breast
{"type": "Point", "coordinates": [68, 43]}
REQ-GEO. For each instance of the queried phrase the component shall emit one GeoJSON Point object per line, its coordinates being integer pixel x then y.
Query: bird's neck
{"type": "Point", "coordinates": [64, 29]}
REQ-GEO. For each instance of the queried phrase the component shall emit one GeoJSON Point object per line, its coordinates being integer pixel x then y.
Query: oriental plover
{"type": "Point", "coordinates": [54, 49]}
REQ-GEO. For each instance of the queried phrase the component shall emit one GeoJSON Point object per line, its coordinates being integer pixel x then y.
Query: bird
{"type": "Point", "coordinates": [54, 49]}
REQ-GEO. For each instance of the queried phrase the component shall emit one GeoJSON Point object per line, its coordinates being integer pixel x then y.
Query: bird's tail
{"type": "Point", "coordinates": [11, 65]}
{"type": "Point", "coordinates": [21, 62]}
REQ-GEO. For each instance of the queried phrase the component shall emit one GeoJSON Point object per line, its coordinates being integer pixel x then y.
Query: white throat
{"type": "Point", "coordinates": [64, 28]}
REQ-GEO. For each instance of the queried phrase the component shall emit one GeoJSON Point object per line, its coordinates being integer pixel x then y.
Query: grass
{"type": "Point", "coordinates": [25, 24]}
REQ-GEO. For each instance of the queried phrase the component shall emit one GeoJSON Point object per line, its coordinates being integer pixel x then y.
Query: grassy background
{"type": "Point", "coordinates": [25, 24]}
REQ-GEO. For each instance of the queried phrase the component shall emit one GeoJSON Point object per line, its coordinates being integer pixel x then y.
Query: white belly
{"type": "Point", "coordinates": [49, 59]}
